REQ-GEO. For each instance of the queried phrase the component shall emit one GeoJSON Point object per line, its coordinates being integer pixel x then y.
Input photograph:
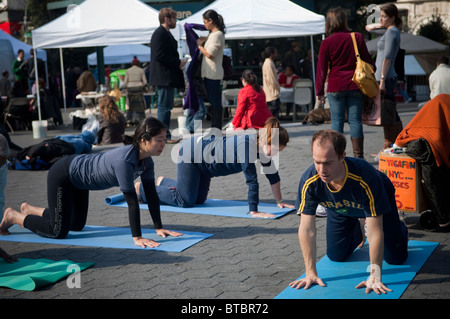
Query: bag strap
{"type": "Point", "coordinates": [355, 45]}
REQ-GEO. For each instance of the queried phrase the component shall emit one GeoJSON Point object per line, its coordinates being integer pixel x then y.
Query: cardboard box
{"type": "Point", "coordinates": [404, 172]}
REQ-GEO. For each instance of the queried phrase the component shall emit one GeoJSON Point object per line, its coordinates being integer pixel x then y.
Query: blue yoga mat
{"type": "Point", "coordinates": [109, 237]}
{"type": "Point", "coordinates": [341, 278]}
{"type": "Point", "coordinates": [216, 207]}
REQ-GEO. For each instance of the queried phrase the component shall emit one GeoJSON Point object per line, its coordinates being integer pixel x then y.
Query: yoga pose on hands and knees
{"type": "Point", "coordinates": [71, 178]}
{"type": "Point", "coordinates": [203, 157]}
{"type": "Point", "coordinates": [350, 189]}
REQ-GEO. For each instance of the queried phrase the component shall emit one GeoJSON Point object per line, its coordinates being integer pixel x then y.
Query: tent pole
{"type": "Point", "coordinates": [36, 76]}
{"type": "Point", "coordinates": [313, 66]}
{"type": "Point", "coordinates": [63, 79]}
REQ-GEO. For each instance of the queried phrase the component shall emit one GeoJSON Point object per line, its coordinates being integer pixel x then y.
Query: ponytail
{"type": "Point", "coordinates": [250, 77]}
{"type": "Point", "coordinates": [216, 18]}
{"type": "Point", "coordinates": [265, 134]}
{"type": "Point", "coordinates": [146, 129]}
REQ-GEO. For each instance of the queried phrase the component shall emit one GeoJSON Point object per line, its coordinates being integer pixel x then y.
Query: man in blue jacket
{"type": "Point", "coordinates": [165, 66]}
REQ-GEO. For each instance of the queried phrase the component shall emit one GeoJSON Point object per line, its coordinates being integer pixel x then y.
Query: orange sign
{"type": "Point", "coordinates": [402, 172]}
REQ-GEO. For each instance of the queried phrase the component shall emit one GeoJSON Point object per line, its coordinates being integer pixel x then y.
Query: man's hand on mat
{"type": "Point", "coordinates": [307, 282]}
{"type": "Point", "coordinates": [145, 242]}
{"type": "Point", "coordinates": [163, 233]}
{"type": "Point", "coordinates": [375, 284]}
{"type": "Point", "coordinates": [283, 204]}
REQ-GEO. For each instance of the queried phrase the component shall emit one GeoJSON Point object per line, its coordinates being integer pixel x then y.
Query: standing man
{"type": "Point", "coordinates": [352, 190]}
{"type": "Point", "coordinates": [18, 69]}
{"type": "Point", "coordinates": [165, 67]}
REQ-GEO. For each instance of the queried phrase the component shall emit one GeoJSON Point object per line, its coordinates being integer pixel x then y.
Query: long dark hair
{"type": "Point", "coordinates": [250, 77]}
{"type": "Point", "coordinates": [146, 129]}
{"type": "Point", "coordinates": [336, 21]}
{"type": "Point", "coordinates": [216, 18]}
{"type": "Point", "coordinates": [392, 12]}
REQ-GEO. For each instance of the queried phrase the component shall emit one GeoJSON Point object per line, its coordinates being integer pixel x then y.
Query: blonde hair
{"type": "Point", "coordinates": [267, 134]}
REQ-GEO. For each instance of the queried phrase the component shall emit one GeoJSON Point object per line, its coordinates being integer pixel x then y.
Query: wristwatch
{"type": "Point", "coordinates": [382, 77]}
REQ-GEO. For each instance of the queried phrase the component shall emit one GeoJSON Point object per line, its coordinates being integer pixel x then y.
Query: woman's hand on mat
{"type": "Point", "coordinates": [145, 242]}
{"type": "Point", "coordinates": [307, 282]}
{"type": "Point", "coordinates": [261, 215]}
{"type": "Point", "coordinates": [283, 204]}
{"type": "Point", "coordinates": [163, 233]}
{"type": "Point", "coordinates": [375, 284]}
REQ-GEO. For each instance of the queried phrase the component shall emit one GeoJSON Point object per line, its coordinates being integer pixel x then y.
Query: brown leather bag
{"type": "Point", "coordinates": [364, 76]}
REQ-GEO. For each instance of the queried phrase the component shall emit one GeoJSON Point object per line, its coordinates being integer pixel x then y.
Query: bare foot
{"type": "Point", "coordinates": [262, 215]}
{"type": "Point", "coordinates": [7, 221]}
{"type": "Point", "coordinates": [25, 209]}
{"type": "Point", "coordinates": [158, 181]}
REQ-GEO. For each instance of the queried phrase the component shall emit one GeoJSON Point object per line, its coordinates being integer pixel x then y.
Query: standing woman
{"type": "Point", "coordinates": [211, 68]}
{"type": "Point", "coordinates": [251, 110]}
{"type": "Point", "coordinates": [270, 80]}
{"type": "Point", "coordinates": [338, 55]}
{"type": "Point", "coordinates": [385, 74]}
{"type": "Point", "coordinates": [71, 178]}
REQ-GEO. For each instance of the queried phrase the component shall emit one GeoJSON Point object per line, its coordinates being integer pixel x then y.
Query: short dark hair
{"type": "Point", "coordinates": [442, 59]}
{"type": "Point", "coordinates": [337, 139]}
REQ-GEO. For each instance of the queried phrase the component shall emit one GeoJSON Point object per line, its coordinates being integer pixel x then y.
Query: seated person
{"type": "Point", "coordinates": [112, 122]}
{"type": "Point", "coordinates": [286, 80]}
{"type": "Point", "coordinates": [252, 110]}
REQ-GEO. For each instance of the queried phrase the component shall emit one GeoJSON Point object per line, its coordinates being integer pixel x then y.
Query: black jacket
{"type": "Point", "coordinates": [165, 61]}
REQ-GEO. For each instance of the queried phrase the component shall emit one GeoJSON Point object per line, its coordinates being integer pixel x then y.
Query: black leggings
{"type": "Point", "coordinates": [67, 205]}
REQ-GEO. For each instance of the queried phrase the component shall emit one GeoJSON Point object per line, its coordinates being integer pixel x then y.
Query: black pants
{"type": "Point", "coordinates": [67, 205]}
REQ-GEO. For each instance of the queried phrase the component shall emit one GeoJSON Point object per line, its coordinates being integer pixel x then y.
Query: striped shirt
{"type": "Point", "coordinates": [364, 192]}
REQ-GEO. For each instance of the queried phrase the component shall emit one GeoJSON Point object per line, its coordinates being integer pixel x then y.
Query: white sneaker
{"type": "Point", "coordinates": [321, 211]}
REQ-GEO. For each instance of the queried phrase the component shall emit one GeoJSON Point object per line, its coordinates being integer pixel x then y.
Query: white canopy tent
{"type": "Point", "coordinates": [260, 19]}
{"type": "Point", "coordinates": [122, 54]}
{"type": "Point", "coordinates": [96, 23]}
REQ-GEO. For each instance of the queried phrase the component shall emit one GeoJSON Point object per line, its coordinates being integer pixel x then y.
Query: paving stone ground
{"type": "Point", "coordinates": [245, 259]}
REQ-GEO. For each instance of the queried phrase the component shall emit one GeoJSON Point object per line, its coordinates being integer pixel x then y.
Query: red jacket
{"type": "Point", "coordinates": [283, 79]}
{"type": "Point", "coordinates": [252, 110]}
{"type": "Point", "coordinates": [337, 53]}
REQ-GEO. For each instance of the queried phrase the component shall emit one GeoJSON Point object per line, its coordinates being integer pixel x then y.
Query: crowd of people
{"type": "Point", "coordinates": [351, 190]}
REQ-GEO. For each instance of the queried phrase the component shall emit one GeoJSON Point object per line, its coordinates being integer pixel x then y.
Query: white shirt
{"type": "Point", "coordinates": [440, 80]}
{"type": "Point", "coordinates": [212, 68]}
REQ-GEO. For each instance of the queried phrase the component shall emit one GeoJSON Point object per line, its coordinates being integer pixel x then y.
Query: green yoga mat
{"type": "Point", "coordinates": [32, 274]}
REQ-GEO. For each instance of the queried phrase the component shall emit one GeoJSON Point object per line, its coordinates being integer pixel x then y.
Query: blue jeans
{"type": "Point", "coordinates": [190, 188]}
{"type": "Point", "coordinates": [165, 105]}
{"type": "Point", "coordinates": [347, 101]}
{"type": "Point", "coordinates": [215, 98]}
{"type": "Point", "coordinates": [198, 116]}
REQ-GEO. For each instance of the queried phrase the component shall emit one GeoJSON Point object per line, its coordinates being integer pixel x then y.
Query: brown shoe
{"type": "Point", "coordinates": [172, 141]}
